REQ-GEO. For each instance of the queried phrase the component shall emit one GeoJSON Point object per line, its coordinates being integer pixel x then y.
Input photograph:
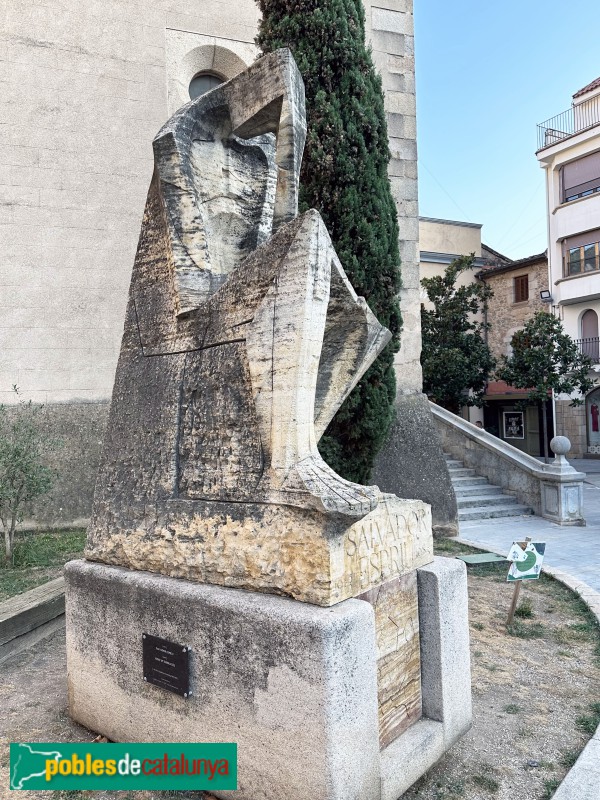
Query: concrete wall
{"type": "Point", "coordinates": [84, 87]}
{"type": "Point", "coordinates": [448, 236]}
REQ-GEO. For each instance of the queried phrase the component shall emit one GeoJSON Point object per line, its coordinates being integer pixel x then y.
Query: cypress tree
{"type": "Point", "coordinates": [344, 176]}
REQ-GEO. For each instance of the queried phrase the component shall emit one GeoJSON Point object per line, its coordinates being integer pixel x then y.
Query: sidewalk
{"type": "Point", "coordinates": [571, 549]}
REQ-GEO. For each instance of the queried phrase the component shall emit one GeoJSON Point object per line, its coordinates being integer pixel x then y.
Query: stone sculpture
{"type": "Point", "coordinates": [242, 338]}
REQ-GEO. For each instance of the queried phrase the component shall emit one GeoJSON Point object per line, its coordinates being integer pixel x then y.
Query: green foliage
{"type": "Point", "coordinates": [344, 176]}
{"type": "Point", "coordinates": [550, 786]}
{"type": "Point", "coordinates": [545, 358]}
{"type": "Point", "coordinates": [48, 548]}
{"type": "Point", "coordinates": [525, 608]}
{"type": "Point", "coordinates": [588, 723]}
{"type": "Point", "coordinates": [569, 757]}
{"type": "Point", "coordinates": [455, 358]}
{"type": "Point", "coordinates": [522, 631]}
{"type": "Point", "coordinates": [486, 782]}
{"type": "Point", "coordinates": [23, 475]}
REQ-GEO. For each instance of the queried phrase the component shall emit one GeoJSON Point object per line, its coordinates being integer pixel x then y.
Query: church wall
{"type": "Point", "coordinates": [84, 87]}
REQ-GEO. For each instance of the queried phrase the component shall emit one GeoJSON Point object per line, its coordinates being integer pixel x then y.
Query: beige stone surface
{"type": "Point", "coordinates": [398, 655]}
{"type": "Point", "coordinates": [505, 316]}
{"type": "Point", "coordinates": [85, 86]}
{"type": "Point", "coordinates": [300, 553]}
{"type": "Point", "coordinates": [242, 339]}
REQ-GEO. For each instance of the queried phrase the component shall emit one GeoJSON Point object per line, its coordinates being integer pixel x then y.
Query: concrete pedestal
{"type": "Point", "coordinates": [295, 685]}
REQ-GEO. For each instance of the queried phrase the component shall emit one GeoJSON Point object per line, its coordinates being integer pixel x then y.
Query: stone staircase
{"type": "Point", "coordinates": [477, 498]}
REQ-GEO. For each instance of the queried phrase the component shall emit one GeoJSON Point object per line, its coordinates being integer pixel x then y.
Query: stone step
{"type": "Point", "coordinates": [453, 463]}
{"type": "Point", "coordinates": [491, 512]}
{"type": "Point", "coordinates": [483, 500]}
{"type": "Point", "coordinates": [468, 481]}
{"type": "Point", "coordinates": [461, 472]}
{"type": "Point", "coordinates": [467, 490]}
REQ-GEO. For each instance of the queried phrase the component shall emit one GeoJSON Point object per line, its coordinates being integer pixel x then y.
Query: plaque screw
{"type": "Point", "coordinates": [185, 694]}
{"type": "Point", "coordinates": [143, 635]}
{"type": "Point", "coordinates": [185, 649]}
{"type": "Point", "coordinates": [145, 678]}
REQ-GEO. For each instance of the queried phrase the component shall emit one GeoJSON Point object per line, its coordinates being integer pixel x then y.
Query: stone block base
{"type": "Point", "coordinates": [295, 685]}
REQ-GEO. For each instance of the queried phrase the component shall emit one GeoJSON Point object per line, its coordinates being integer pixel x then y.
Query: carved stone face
{"type": "Point", "coordinates": [234, 181]}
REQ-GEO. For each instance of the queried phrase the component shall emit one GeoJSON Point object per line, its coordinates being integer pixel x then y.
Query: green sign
{"type": "Point", "coordinates": [527, 558]}
{"type": "Point", "coordinates": [89, 766]}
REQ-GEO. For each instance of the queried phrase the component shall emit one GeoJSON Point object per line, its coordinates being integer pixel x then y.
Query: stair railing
{"type": "Point", "coordinates": [554, 491]}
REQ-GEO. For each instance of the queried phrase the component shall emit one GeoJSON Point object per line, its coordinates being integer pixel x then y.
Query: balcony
{"type": "Point", "coordinates": [590, 347]}
{"type": "Point", "coordinates": [575, 120]}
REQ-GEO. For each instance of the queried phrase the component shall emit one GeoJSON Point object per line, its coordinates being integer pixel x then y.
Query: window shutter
{"type": "Point", "coordinates": [581, 176]}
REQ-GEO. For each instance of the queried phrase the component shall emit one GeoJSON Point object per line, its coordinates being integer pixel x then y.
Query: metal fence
{"type": "Point", "coordinates": [576, 119]}
{"type": "Point", "coordinates": [590, 347]}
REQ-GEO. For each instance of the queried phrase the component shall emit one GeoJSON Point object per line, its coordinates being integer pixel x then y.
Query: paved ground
{"type": "Point", "coordinates": [572, 549]}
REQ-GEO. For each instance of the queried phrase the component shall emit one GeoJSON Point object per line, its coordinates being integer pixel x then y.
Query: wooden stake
{"type": "Point", "coordinates": [513, 605]}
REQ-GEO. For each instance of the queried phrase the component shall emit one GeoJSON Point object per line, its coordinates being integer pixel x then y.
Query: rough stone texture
{"type": "Point", "coordinates": [242, 338]}
{"type": "Point", "coordinates": [412, 463]}
{"type": "Point", "coordinates": [282, 678]}
{"type": "Point", "coordinates": [293, 684]}
{"type": "Point", "coordinates": [505, 316]}
{"type": "Point", "coordinates": [445, 677]}
{"type": "Point", "coordinates": [280, 549]}
{"type": "Point", "coordinates": [396, 608]}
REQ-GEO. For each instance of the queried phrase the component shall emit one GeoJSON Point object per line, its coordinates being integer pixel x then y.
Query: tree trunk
{"type": "Point", "coordinates": [545, 432]}
{"type": "Point", "coordinates": [8, 542]}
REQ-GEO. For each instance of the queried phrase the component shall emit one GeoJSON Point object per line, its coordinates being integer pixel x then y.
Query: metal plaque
{"type": "Point", "coordinates": [166, 664]}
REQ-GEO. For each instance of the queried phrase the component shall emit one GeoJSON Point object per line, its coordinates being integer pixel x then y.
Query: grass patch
{"type": "Point", "coordinates": [550, 786]}
{"type": "Point", "coordinates": [568, 758]}
{"type": "Point", "coordinates": [38, 557]}
{"type": "Point", "coordinates": [479, 626]}
{"type": "Point", "coordinates": [587, 723]}
{"type": "Point", "coordinates": [450, 547]}
{"type": "Point", "coordinates": [486, 782]}
{"type": "Point", "coordinates": [512, 708]}
{"type": "Point", "coordinates": [525, 608]}
{"type": "Point", "coordinates": [522, 631]}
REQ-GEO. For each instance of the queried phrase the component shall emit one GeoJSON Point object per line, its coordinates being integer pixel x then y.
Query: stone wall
{"type": "Point", "coordinates": [504, 315]}
{"type": "Point", "coordinates": [570, 422]}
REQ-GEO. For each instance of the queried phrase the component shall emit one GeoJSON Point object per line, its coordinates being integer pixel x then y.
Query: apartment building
{"type": "Point", "coordinates": [569, 152]}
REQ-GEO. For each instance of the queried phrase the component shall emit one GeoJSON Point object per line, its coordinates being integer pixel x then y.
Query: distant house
{"type": "Point", "coordinates": [569, 152]}
{"type": "Point", "coordinates": [517, 286]}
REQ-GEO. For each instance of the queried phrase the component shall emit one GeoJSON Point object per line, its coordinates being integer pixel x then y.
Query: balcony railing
{"type": "Point", "coordinates": [590, 347]}
{"type": "Point", "coordinates": [576, 119]}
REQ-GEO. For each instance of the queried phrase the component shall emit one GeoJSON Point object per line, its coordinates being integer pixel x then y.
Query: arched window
{"type": "Point", "coordinates": [589, 334]}
{"type": "Point", "coordinates": [202, 83]}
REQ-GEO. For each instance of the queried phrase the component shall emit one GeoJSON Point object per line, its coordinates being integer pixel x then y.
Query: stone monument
{"type": "Point", "coordinates": [320, 633]}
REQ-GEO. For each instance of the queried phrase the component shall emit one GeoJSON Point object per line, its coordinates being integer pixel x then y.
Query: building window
{"type": "Point", "coordinates": [581, 255]}
{"type": "Point", "coordinates": [581, 178]}
{"type": "Point", "coordinates": [521, 288]}
{"type": "Point", "coordinates": [202, 83]}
